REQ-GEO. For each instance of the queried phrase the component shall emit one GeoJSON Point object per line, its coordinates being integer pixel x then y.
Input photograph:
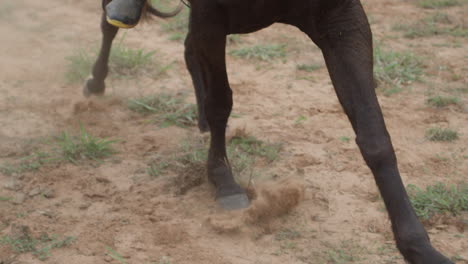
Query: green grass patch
{"type": "Point", "coordinates": [441, 134]}
{"type": "Point", "coordinates": [442, 101]}
{"type": "Point", "coordinates": [127, 61]}
{"type": "Point", "coordinates": [6, 10]}
{"type": "Point", "coordinates": [255, 147]}
{"type": "Point", "coordinates": [41, 247]}
{"type": "Point", "coordinates": [177, 27]}
{"type": "Point", "coordinates": [79, 66]}
{"type": "Point", "coordinates": [115, 255]}
{"type": "Point", "coordinates": [287, 234]}
{"type": "Point", "coordinates": [348, 251]}
{"type": "Point", "coordinates": [434, 25]}
{"type": "Point", "coordinates": [84, 146]}
{"type": "Point", "coordinates": [233, 39]}
{"type": "Point", "coordinates": [396, 69]}
{"type": "Point", "coordinates": [265, 52]}
{"type": "Point", "coordinates": [439, 199]}
{"type": "Point", "coordinates": [28, 163]}
{"type": "Point", "coordinates": [308, 67]}
{"type": "Point", "coordinates": [242, 151]}
{"type": "Point", "coordinates": [190, 157]}
{"type": "Point", "coordinates": [434, 4]}
{"type": "Point", "coordinates": [168, 110]}
{"type": "Point", "coordinates": [64, 147]}
{"type": "Point", "coordinates": [123, 62]}
{"type": "Point", "coordinates": [345, 139]}
{"type": "Point", "coordinates": [157, 168]}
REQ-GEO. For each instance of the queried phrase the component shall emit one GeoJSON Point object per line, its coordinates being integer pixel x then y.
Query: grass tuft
{"type": "Point", "coordinates": [123, 61]}
{"type": "Point", "coordinates": [38, 247]}
{"type": "Point", "coordinates": [261, 52]}
{"type": "Point", "coordinates": [29, 163]}
{"type": "Point", "coordinates": [396, 69]}
{"type": "Point", "coordinates": [85, 146]}
{"type": "Point", "coordinates": [192, 155]}
{"type": "Point", "coordinates": [115, 255]}
{"type": "Point", "coordinates": [441, 134]}
{"type": "Point", "coordinates": [442, 101]}
{"type": "Point", "coordinates": [434, 4]}
{"type": "Point", "coordinates": [434, 25]}
{"type": "Point", "coordinates": [308, 67]}
{"type": "Point", "coordinates": [176, 27]}
{"type": "Point", "coordinates": [169, 110]}
{"type": "Point", "coordinates": [347, 252]}
{"type": "Point", "coordinates": [79, 66]}
{"type": "Point", "coordinates": [287, 234]}
{"type": "Point", "coordinates": [127, 61]}
{"type": "Point", "coordinates": [157, 168]}
{"type": "Point", "coordinates": [255, 147]}
{"type": "Point", "coordinates": [439, 199]}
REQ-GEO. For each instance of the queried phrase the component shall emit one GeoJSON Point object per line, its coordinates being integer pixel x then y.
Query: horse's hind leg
{"type": "Point", "coordinates": [346, 41]}
{"type": "Point", "coordinates": [96, 85]}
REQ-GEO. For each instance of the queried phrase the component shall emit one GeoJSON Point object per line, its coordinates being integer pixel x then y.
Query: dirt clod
{"type": "Point", "coordinates": [275, 200]}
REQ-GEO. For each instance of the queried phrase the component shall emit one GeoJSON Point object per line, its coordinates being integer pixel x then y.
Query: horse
{"type": "Point", "coordinates": [341, 30]}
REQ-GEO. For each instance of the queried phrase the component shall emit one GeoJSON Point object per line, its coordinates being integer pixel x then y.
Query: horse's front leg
{"type": "Point", "coordinates": [205, 50]}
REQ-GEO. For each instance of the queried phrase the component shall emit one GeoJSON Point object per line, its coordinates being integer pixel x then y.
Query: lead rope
{"type": "Point", "coordinates": [185, 3]}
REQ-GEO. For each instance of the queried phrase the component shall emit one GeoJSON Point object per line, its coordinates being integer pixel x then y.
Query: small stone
{"type": "Point", "coordinates": [49, 193]}
{"type": "Point", "coordinates": [35, 191]}
{"type": "Point", "coordinates": [19, 198]}
{"type": "Point", "coordinates": [84, 206]}
{"type": "Point", "coordinates": [107, 258]}
{"type": "Point", "coordinates": [46, 213]}
{"type": "Point", "coordinates": [441, 227]}
{"type": "Point", "coordinates": [17, 262]}
{"type": "Point", "coordinates": [102, 180]}
{"type": "Point", "coordinates": [13, 184]}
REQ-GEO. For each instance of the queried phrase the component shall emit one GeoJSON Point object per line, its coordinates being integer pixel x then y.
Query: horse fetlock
{"type": "Point", "coordinates": [221, 177]}
{"type": "Point", "coordinates": [229, 194]}
{"type": "Point", "coordinates": [203, 124]}
{"type": "Point", "coordinates": [417, 249]}
{"type": "Point", "coordinates": [93, 87]}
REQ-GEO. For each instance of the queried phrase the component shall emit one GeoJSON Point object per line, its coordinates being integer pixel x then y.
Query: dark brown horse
{"type": "Point", "coordinates": [341, 30]}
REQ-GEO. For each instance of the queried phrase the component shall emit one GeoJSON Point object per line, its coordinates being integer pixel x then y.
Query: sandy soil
{"type": "Point", "coordinates": [330, 205]}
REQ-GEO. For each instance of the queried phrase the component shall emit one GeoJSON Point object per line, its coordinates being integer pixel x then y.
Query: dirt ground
{"type": "Point", "coordinates": [117, 213]}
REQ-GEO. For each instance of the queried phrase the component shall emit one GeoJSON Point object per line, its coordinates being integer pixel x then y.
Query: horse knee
{"type": "Point", "coordinates": [377, 151]}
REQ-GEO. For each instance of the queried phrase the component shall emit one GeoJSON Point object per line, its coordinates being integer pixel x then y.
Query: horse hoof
{"type": "Point", "coordinates": [91, 88]}
{"type": "Point", "coordinates": [234, 202]}
{"type": "Point", "coordinates": [124, 13]}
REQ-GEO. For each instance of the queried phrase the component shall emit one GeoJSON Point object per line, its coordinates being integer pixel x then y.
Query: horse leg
{"type": "Point", "coordinates": [346, 42]}
{"type": "Point", "coordinates": [196, 73]}
{"type": "Point", "coordinates": [96, 85]}
{"type": "Point", "coordinates": [205, 51]}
